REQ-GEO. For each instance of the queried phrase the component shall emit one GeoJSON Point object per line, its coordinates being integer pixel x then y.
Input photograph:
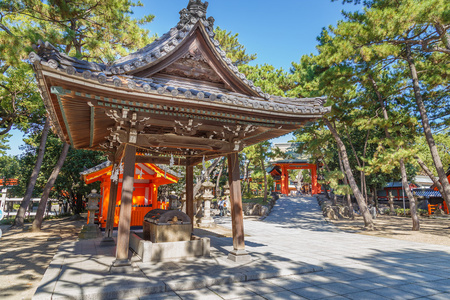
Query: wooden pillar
{"type": "Point", "coordinates": [314, 180]}
{"type": "Point", "coordinates": [123, 237]}
{"type": "Point", "coordinates": [190, 191]}
{"type": "Point", "coordinates": [111, 208]}
{"type": "Point", "coordinates": [237, 217]}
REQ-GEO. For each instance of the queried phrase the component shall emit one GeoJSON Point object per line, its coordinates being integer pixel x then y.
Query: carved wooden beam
{"type": "Point", "coordinates": [181, 142]}
{"type": "Point", "coordinates": [164, 160]}
{"type": "Point", "coordinates": [119, 153]}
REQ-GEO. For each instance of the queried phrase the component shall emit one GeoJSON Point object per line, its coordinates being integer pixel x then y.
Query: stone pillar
{"type": "Point", "coordinates": [123, 237]}
{"type": "Point", "coordinates": [238, 254]}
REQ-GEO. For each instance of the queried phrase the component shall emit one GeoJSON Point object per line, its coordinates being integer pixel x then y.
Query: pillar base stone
{"type": "Point", "coordinates": [239, 256]}
{"type": "Point", "coordinates": [107, 241]}
{"type": "Point", "coordinates": [120, 266]}
{"type": "Point", "coordinates": [206, 222]}
{"type": "Point", "coordinates": [89, 232]}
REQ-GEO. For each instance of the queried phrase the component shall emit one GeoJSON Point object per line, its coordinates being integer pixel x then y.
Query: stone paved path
{"type": "Point", "coordinates": [354, 266]}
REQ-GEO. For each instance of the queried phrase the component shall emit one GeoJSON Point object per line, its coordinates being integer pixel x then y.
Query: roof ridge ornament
{"type": "Point", "coordinates": [195, 11]}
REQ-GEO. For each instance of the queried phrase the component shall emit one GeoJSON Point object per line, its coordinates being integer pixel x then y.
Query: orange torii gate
{"type": "Point", "coordinates": [280, 168]}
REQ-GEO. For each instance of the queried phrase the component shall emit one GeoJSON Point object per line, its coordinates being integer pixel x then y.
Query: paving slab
{"type": "Point", "coordinates": [296, 254]}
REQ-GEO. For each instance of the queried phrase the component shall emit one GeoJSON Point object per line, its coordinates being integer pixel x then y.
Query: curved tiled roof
{"type": "Point", "coordinates": [107, 163]}
{"type": "Point", "coordinates": [119, 74]}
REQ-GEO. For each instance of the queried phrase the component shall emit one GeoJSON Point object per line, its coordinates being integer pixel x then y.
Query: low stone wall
{"type": "Point", "coordinates": [255, 209]}
{"type": "Point", "coordinates": [149, 251]}
{"type": "Point", "coordinates": [330, 211]}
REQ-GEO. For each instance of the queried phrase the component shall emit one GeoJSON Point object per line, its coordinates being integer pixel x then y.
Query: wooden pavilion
{"type": "Point", "coordinates": [179, 100]}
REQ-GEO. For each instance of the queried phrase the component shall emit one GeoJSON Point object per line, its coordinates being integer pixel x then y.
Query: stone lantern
{"type": "Point", "coordinates": [92, 206]}
{"type": "Point", "coordinates": [206, 220]}
{"type": "Point", "coordinates": [91, 230]}
{"type": "Point", "coordinates": [173, 200]}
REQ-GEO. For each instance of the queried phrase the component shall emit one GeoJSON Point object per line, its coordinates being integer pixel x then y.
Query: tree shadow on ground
{"type": "Point", "coordinates": [25, 256]}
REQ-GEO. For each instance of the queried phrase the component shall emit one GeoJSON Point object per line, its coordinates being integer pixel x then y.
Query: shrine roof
{"type": "Point", "coordinates": [107, 164]}
{"type": "Point", "coordinates": [180, 95]}
{"type": "Point", "coordinates": [124, 72]}
{"type": "Point", "coordinates": [290, 161]}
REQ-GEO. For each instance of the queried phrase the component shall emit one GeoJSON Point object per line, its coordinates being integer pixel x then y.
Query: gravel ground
{"type": "Point", "coordinates": [433, 230]}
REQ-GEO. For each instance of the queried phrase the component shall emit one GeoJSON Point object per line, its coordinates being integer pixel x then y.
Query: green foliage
{"type": "Point", "coordinates": [20, 102]}
{"type": "Point", "coordinates": [250, 198]}
{"type": "Point", "coordinates": [68, 183]}
{"type": "Point", "coordinates": [442, 141]}
{"type": "Point", "coordinates": [270, 80]}
{"type": "Point", "coordinates": [258, 156]}
{"type": "Point", "coordinates": [9, 167]}
{"type": "Point", "coordinates": [4, 139]}
{"type": "Point", "coordinates": [88, 29]}
{"type": "Point", "coordinates": [407, 212]}
{"type": "Point", "coordinates": [230, 44]}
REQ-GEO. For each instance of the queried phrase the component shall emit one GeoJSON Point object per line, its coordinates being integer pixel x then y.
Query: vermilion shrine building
{"type": "Point", "coordinates": [178, 100]}
{"type": "Point", "coordinates": [147, 179]}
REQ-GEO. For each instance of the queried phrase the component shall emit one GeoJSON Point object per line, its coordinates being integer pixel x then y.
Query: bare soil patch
{"type": "Point", "coordinates": [433, 230]}
{"type": "Point", "coordinates": [24, 255]}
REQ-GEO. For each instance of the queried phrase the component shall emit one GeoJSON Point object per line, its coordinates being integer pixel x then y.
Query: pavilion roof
{"type": "Point", "coordinates": [182, 84]}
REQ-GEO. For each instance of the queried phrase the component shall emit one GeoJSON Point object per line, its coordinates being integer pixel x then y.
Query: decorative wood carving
{"type": "Point", "coordinates": [194, 66]}
{"type": "Point", "coordinates": [186, 129]}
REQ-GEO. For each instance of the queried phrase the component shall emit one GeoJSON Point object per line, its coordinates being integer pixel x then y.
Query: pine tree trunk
{"type": "Point", "coordinates": [391, 204]}
{"type": "Point", "coordinates": [37, 223]}
{"type": "Point", "coordinates": [412, 201]}
{"type": "Point", "coordinates": [333, 198]}
{"type": "Point", "coordinates": [247, 177]}
{"type": "Point", "coordinates": [263, 167]}
{"type": "Point", "coordinates": [218, 180]}
{"type": "Point", "coordinates": [347, 196]}
{"type": "Point", "coordinates": [375, 197]}
{"type": "Point", "coordinates": [427, 128]}
{"type": "Point", "coordinates": [20, 217]}
{"type": "Point", "coordinates": [443, 33]}
{"type": "Point", "coordinates": [368, 222]}
{"type": "Point", "coordinates": [361, 173]}
{"type": "Point", "coordinates": [430, 174]}
{"type": "Point", "coordinates": [202, 177]}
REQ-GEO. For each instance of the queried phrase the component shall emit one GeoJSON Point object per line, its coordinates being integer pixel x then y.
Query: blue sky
{"type": "Point", "coordinates": [279, 32]}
